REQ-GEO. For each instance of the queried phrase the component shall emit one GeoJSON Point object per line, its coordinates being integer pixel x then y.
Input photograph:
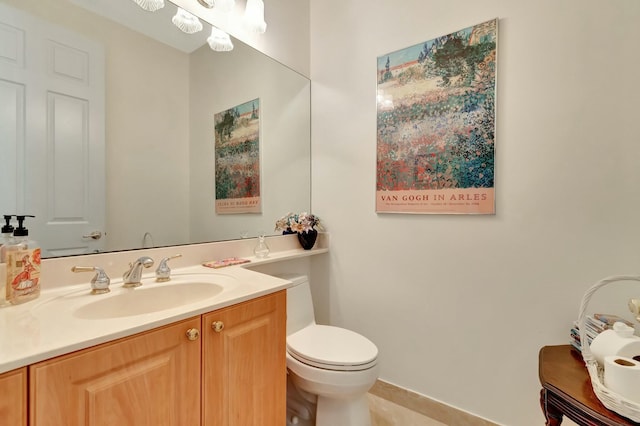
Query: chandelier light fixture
{"type": "Point", "coordinates": [150, 5]}
{"type": "Point", "coordinates": [219, 40]}
{"type": "Point", "coordinates": [254, 16]}
{"type": "Point", "coordinates": [186, 21]}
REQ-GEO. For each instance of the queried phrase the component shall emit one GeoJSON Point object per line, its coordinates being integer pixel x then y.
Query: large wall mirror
{"type": "Point", "coordinates": [108, 113]}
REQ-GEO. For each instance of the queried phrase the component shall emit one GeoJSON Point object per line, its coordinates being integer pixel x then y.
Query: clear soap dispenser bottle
{"type": "Point", "coordinates": [6, 239]}
{"type": "Point", "coordinates": [23, 266]}
{"type": "Point", "coordinates": [262, 249]}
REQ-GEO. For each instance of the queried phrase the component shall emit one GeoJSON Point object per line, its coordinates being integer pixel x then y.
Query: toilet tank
{"type": "Point", "coordinates": [299, 303]}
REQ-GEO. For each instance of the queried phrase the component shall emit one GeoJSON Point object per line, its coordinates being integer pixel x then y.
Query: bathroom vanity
{"type": "Point", "coordinates": [216, 361]}
{"type": "Point", "coordinates": [233, 360]}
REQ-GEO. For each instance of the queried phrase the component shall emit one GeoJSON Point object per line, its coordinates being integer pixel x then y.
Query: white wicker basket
{"type": "Point", "coordinates": [609, 399]}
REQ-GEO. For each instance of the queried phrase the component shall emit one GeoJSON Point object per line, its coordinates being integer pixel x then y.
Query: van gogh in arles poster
{"type": "Point", "coordinates": [436, 125]}
{"type": "Point", "coordinates": [237, 159]}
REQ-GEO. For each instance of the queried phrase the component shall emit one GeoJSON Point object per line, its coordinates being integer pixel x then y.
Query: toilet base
{"type": "Point", "coordinates": [301, 407]}
{"type": "Point", "coordinates": [352, 412]}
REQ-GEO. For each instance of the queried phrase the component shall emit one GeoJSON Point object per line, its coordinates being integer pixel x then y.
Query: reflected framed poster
{"type": "Point", "coordinates": [237, 159]}
{"type": "Point", "coordinates": [436, 125]}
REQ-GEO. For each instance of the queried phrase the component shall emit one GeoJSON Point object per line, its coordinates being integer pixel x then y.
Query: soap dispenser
{"type": "Point", "coordinates": [261, 249]}
{"type": "Point", "coordinates": [22, 258]}
{"type": "Point", "coordinates": [6, 238]}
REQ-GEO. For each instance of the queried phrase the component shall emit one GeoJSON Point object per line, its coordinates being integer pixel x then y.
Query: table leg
{"type": "Point", "coordinates": [552, 415]}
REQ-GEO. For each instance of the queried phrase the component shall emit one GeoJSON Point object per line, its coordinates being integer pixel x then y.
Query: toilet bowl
{"type": "Point", "coordinates": [330, 369]}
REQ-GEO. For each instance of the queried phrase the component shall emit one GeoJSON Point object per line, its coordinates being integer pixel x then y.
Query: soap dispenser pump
{"type": "Point", "coordinates": [6, 238]}
{"type": "Point", "coordinates": [22, 258]}
{"type": "Point", "coordinates": [6, 234]}
{"type": "Point", "coordinates": [7, 228]}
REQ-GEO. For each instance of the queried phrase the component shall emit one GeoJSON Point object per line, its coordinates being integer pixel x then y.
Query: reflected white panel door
{"type": "Point", "coordinates": [12, 118]}
{"type": "Point", "coordinates": [55, 90]}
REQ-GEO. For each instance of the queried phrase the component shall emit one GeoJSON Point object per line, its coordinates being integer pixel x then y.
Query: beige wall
{"type": "Point", "coordinates": [460, 305]}
{"type": "Point", "coordinates": [148, 154]}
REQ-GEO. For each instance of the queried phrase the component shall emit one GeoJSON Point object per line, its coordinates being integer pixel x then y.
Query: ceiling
{"type": "Point", "coordinates": [156, 25]}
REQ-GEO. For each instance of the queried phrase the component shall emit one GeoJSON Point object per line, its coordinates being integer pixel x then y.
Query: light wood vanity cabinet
{"type": "Point", "coordinates": [235, 376]}
{"type": "Point", "coordinates": [13, 397]}
{"type": "Point", "coordinates": [244, 348]}
{"type": "Point", "coordinates": [149, 379]}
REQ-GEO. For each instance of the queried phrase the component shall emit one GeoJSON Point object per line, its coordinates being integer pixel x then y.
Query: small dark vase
{"type": "Point", "coordinates": [288, 231]}
{"type": "Point", "coordinates": [307, 239]}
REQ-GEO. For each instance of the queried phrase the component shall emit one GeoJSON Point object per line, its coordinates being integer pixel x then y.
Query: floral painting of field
{"type": "Point", "coordinates": [436, 124]}
{"type": "Point", "coordinates": [237, 159]}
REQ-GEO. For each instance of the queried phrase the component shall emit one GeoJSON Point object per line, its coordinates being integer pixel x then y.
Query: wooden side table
{"type": "Point", "coordinates": [566, 390]}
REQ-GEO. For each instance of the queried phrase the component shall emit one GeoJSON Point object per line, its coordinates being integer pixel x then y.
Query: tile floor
{"type": "Point", "coordinates": [386, 413]}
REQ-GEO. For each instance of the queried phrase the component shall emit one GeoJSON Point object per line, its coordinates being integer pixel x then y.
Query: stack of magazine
{"type": "Point", "coordinates": [594, 325]}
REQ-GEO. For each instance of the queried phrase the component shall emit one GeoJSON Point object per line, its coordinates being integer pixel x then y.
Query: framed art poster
{"type": "Point", "coordinates": [237, 159]}
{"type": "Point", "coordinates": [436, 125]}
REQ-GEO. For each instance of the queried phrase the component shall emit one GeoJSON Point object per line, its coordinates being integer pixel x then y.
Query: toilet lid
{"type": "Point", "coordinates": [332, 348]}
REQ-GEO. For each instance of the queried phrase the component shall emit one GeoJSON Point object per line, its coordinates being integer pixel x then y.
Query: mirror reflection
{"type": "Point", "coordinates": [107, 127]}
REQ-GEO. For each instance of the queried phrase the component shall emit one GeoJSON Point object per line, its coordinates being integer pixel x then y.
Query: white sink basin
{"type": "Point", "coordinates": [147, 299]}
{"type": "Point", "coordinates": [185, 290]}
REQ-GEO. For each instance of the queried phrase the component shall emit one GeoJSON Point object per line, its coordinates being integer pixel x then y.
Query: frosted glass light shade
{"type": "Point", "coordinates": [225, 6]}
{"type": "Point", "coordinates": [187, 22]}
{"type": "Point", "coordinates": [150, 5]}
{"type": "Point", "coordinates": [254, 16]}
{"type": "Point", "coordinates": [219, 40]}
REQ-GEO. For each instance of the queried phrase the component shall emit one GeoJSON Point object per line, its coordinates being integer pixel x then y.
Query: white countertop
{"type": "Point", "coordinates": [42, 329]}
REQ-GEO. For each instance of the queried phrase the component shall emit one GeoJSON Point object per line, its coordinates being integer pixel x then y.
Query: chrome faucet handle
{"type": "Point", "coordinates": [163, 272]}
{"type": "Point", "coordinates": [100, 281]}
{"type": "Point", "coordinates": [133, 276]}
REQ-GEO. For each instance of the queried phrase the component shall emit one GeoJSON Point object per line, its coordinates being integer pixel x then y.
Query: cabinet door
{"type": "Point", "coordinates": [13, 397]}
{"type": "Point", "coordinates": [152, 378]}
{"type": "Point", "coordinates": [244, 364]}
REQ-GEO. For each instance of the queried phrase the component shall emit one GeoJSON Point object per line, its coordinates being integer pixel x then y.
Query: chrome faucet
{"type": "Point", "coordinates": [163, 273]}
{"type": "Point", "coordinates": [100, 281]}
{"type": "Point", "coordinates": [134, 274]}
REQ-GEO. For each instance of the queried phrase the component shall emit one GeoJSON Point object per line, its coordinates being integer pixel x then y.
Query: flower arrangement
{"type": "Point", "coordinates": [296, 223]}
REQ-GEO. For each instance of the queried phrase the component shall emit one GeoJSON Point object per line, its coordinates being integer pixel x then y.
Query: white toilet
{"type": "Point", "coordinates": [330, 369]}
